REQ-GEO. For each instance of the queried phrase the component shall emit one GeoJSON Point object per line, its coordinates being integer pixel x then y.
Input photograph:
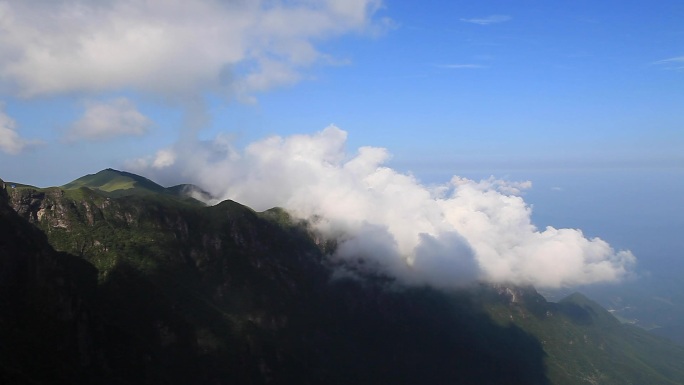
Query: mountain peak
{"type": "Point", "coordinates": [582, 309]}
{"type": "Point", "coordinates": [110, 180]}
{"type": "Point", "coordinates": [116, 183]}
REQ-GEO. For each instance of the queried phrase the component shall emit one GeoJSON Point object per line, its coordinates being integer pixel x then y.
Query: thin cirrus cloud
{"type": "Point", "coordinates": [168, 47]}
{"type": "Point", "coordinates": [107, 120]}
{"type": "Point", "coordinates": [492, 19]}
{"type": "Point", "coordinates": [461, 66]}
{"type": "Point", "coordinates": [674, 63]}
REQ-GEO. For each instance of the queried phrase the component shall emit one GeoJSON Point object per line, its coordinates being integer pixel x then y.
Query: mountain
{"type": "Point", "coordinates": [110, 180]}
{"type": "Point", "coordinates": [114, 183]}
{"type": "Point", "coordinates": [653, 302]}
{"type": "Point", "coordinates": [191, 191]}
{"type": "Point", "coordinates": [585, 343]}
{"type": "Point", "coordinates": [149, 288]}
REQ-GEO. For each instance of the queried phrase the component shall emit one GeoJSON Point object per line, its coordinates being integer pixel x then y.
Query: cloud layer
{"type": "Point", "coordinates": [445, 235]}
{"type": "Point", "coordinates": [170, 47]}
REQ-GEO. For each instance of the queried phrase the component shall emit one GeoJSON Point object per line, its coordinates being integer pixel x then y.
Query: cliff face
{"type": "Point", "coordinates": [46, 323]}
{"type": "Point", "coordinates": [183, 293]}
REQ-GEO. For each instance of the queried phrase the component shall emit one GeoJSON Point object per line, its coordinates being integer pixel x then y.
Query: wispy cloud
{"type": "Point", "coordinates": [461, 66]}
{"type": "Point", "coordinates": [492, 19]}
{"type": "Point", "coordinates": [674, 63]}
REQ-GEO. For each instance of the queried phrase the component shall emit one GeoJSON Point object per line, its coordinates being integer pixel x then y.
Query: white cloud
{"type": "Point", "coordinates": [106, 120]}
{"type": "Point", "coordinates": [492, 19]}
{"type": "Point", "coordinates": [445, 236]}
{"type": "Point", "coordinates": [164, 158]}
{"type": "Point", "coordinates": [167, 46]}
{"type": "Point", "coordinates": [10, 141]}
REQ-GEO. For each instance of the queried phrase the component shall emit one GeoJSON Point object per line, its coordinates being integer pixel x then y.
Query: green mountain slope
{"type": "Point", "coordinates": [586, 344]}
{"type": "Point", "coordinates": [180, 293]}
{"type": "Point", "coordinates": [110, 180]}
{"type": "Point", "coordinates": [114, 183]}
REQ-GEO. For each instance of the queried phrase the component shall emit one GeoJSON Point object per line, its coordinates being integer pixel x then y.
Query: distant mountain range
{"type": "Point", "coordinates": [114, 279]}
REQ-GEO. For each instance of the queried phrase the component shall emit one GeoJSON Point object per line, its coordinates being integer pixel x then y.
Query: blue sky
{"type": "Point", "coordinates": [583, 98]}
{"type": "Point", "coordinates": [496, 84]}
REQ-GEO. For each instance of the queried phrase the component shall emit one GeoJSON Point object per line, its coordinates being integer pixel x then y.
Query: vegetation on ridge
{"type": "Point", "coordinates": [114, 183]}
{"type": "Point", "coordinates": [174, 292]}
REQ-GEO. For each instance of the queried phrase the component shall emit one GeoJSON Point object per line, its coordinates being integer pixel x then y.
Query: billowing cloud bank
{"type": "Point", "coordinates": [168, 47]}
{"type": "Point", "coordinates": [445, 235]}
{"type": "Point", "coordinates": [173, 50]}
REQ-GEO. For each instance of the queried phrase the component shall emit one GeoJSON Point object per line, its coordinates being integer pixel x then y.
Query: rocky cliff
{"type": "Point", "coordinates": [46, 302]}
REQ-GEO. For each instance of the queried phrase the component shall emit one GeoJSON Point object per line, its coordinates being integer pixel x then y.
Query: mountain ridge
{"type": "Point", "coordinates": [231, 294]}
{"type": "Point", "coordinates": [115, 183]}
{"type": "Point", "coordinates": [111, 180]}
